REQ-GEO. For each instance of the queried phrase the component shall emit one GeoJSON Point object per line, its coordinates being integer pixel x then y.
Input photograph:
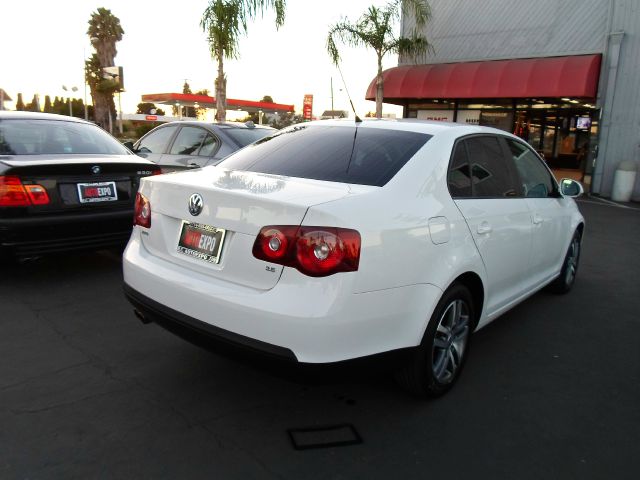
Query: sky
{"type": "Point", "coordinates": [44, 44]}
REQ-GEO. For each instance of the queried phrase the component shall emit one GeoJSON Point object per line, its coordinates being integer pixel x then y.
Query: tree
{"type": "Point", "coordinates": [187, 111]}
{"type": "Point", "coordinates": [282, 120]}
{"type": "Point", "coordinates": [104, 32]}
{"type": "Point", "coordinates": [146, 107]}
{"type": "Point", "coordinates": [34, 106]}
{"type": "Point", "coordinates": [48, 108]}
{"type": "Point", "coordinates": [200, 112]}
{"type": "Point", "coordinates": [267, 99]}
{"type": "Point", "coordinates": [224, 21]}
{"type": "Point", "coordinates": [59, 106]}
{"type": "Point", "coordinates": [20, 103]}
{"type": "Point", "coordinates": [375, 30]}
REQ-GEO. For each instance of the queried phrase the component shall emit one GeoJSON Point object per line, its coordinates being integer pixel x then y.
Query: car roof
{"type": "Point", "coordinates": [409, 124]}
{"type": "Point", "coordinates": [224, 125]}
{"type": "Point", "coordinates": [6, 114]}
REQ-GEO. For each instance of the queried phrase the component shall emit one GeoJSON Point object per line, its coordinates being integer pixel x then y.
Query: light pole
{"type": "Point", "coordinates": [72, 89]}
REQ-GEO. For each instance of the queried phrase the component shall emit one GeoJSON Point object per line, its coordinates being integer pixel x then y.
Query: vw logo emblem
{"type": "Point", "coordinates": [96, 169]}
{"type": "Point", "coordinates": [195, 204]}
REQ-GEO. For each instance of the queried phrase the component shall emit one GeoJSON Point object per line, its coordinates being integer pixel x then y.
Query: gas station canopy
{"type": "Point", "coordinates": [205, 101]}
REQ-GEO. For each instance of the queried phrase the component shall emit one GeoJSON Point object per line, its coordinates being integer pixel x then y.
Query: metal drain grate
{"type": "Point", "coordinates": [324, 436]}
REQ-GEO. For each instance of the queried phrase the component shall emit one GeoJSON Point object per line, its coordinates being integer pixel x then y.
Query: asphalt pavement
{"type": "Point", "coordinates": [550, 390]}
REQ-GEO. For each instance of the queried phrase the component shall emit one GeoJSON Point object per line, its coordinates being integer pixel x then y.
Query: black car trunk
{"type": "Point", "coordinates": [82, 185]}
{"type": "Point", "coordinates": [88, 204]}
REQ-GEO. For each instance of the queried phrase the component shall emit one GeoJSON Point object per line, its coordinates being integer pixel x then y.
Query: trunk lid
{"type": "Point", "coordinates": [240, 203]}
{"type": "Point", "coordinates": [70, 182]}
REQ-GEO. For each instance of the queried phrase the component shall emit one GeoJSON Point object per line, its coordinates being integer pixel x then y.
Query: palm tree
{"type": "Point", "coordinates": [375, 29]}
{"type": "Point", "coordinates": [104, 32]}
{"type": "Point", "coordinates": [224, 22]}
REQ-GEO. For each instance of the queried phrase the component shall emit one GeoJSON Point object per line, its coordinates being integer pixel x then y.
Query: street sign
{"type": "Point", "coordinates": [307, 108]}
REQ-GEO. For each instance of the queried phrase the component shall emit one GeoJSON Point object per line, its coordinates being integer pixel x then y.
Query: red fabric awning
{"type": "Point", "coordinates": [575, 76]}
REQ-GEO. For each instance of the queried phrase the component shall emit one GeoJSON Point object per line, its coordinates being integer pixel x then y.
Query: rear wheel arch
{"type": "Point", "coordinates": [474, 284]}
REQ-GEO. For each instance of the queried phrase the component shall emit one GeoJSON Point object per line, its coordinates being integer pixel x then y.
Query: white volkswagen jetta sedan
{"type": "Point", "coordinates": [336, 240]}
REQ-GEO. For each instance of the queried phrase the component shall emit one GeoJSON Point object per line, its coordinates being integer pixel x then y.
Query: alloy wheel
{"type": "Point", "coordinates": [450, 341]}
{"type": "Point", "coordinates": [572, 260]}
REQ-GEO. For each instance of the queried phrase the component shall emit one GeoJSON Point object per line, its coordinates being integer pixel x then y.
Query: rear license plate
{"type": "Point", "coordinates": [97, 192]}
{"type": "Point", "coordinates": [201, 241]}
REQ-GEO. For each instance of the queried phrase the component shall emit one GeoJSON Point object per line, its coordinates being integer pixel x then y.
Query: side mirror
{"type": "Point", "coordinates": [129, 145]}
{"type": "Point", "coordinates": [570, 188]}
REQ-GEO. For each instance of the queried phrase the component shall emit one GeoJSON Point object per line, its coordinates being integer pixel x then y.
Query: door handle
{"type": "Point", "coordinates": [537, 219]}
{"type": "Point", "coordinates": [484, 228]}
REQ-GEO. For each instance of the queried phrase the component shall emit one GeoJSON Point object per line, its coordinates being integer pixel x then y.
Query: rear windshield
{"type": "Point", "coordinates": [245, 136]}
{"type": "Point", "coordinates": [51, 137]}
{"type": "Point", "coordinates": [346, 154]}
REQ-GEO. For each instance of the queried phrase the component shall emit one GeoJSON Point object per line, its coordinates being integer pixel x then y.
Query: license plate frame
{"type": "Point", "coordinates": [101, 196]}
{"type": "Point", "coordinates": [200, 241]}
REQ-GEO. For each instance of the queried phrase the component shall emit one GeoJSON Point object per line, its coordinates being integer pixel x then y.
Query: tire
{"type": "Point", "coordinates": [564, 282]}
{"type": "Point", "coordinates": [434, 366]}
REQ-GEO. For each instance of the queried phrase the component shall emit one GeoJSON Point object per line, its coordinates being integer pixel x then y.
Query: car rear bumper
{"type": "Point", "coordinates": [314, 320]}
{"type": "Point", "coordinates": [45, 234]}
{"type": "Point", "coordinates": [191, 328]}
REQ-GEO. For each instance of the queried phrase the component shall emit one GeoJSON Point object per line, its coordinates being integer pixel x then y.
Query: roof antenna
{"type": "Point", "coordinates": [358, 119]}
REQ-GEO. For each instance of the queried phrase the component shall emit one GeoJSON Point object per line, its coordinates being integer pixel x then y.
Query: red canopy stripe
{"type": "Point", "coordinates": [189, 99]}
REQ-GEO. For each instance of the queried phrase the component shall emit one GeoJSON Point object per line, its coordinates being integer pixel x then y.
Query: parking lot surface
{"type": "Point", "coordinates": [550, 390]}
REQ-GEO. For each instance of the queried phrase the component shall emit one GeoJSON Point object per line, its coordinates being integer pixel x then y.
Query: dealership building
{"type": "Point", "coordinates": [562, 74]}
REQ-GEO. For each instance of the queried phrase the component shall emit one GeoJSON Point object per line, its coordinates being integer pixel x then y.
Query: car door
{"type": "Point", "coordinates": [153, 145]}
{"type": "Point", "coordinates": [549, 215]}
{"type": "Point", "coordinates": [484, 186]}
{"type": "Point", "coordinates": [192, 147]}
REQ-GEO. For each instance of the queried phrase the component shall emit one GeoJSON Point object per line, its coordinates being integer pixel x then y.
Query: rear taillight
{"type": "Point", "coordinates": [314, 251]}
{"type": "Point", "coordinates": [37, 194]}
{"type": "Point", "coordinates": [14, 194]}
{"type": "Point", "coordinates": [142, 215]}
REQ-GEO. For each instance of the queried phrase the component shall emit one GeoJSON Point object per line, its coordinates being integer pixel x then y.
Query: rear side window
{"type": "Point", "coordinates": [491, 174]}
{"type": "Point", "coordinates": [536, 179]}
{"type": "Point", "coordinates": [209, 146]}
{"type": "Point", "coordinates": [156, 141]}
{"type": "Point", "coordinates": [346, 154]}
{"type": "Point", "coordinates": [459, 177]}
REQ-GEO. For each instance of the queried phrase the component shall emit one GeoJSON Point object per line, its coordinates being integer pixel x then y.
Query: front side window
{"type": "Point", "coordinates": [55, 137]}
{"type": "Point", "coordinates": [156, 141]}
{"type": "Point", "coordinates": [189, 141]}
{"type": "Point", "coordinates": [491, 174]}
{"type": "Point", "coordinates": [536, 179]}
{"type": "Point", "coordinates": [345, 153]}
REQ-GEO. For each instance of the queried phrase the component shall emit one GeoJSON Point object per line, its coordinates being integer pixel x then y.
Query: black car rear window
{"type": "Point", "coordinates": [55, 137]}
{"type": "Point", "coordinates": [346, 154]}
{"type": "Point", "coordinates": [245, 136]}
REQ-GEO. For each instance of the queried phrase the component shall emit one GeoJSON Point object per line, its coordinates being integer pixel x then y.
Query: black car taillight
{"type": "Point", "coordinates": [13, 193]}
{"type": "Point", "coordinates": [142, 213]}
{"type": "Point", "coordinates": [314, 251]}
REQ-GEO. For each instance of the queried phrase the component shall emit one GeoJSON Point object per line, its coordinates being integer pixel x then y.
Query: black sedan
{"type": "Point", "coordinates": [65, 184]}
{"type": "Point", "coordinates": [191, 144]}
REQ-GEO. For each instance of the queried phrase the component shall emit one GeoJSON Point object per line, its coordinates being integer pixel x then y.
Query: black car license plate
{"type": "Point", "coordinates": [201, 241]}
{"type": "Point", "coordinates": [97, 192]}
